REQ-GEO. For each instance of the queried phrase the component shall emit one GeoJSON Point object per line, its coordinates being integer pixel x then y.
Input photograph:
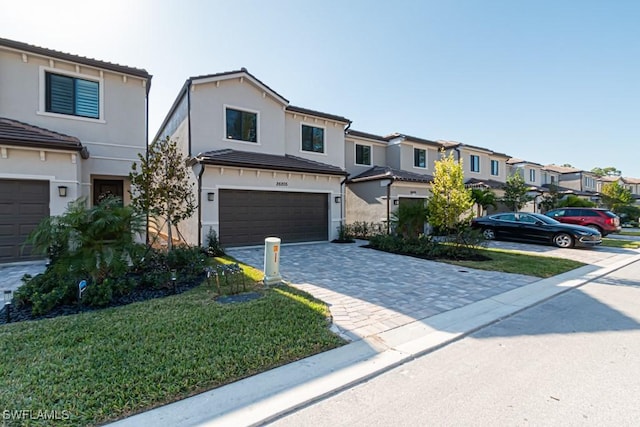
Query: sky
{"type": "Point", "coordinates": [545, 81]}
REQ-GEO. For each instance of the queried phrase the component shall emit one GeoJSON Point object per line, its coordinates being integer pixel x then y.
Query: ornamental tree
{"type": "Point", "coordinates": [161, 185]}
{"type": "Point", "coordinates": [615, 195]}
{"type": "Point", "coordinates": [450, 203]}
{"type": "Point", "coordinates": [515, 192]}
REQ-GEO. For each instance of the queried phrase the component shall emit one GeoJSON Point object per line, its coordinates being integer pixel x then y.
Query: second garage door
{"type": "Point", "coordinates": [247, 217]}
{"type": "Point", "coordinates": [23, 204]}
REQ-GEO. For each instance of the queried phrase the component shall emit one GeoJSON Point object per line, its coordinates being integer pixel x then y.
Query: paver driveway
{"type": "Point", "coordinates": [371, 291]}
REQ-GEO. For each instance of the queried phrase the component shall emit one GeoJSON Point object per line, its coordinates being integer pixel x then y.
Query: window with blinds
{"type": "Point", "coordinates": [72, 96]}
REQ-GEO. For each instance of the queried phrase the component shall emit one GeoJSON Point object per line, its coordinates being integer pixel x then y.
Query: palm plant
{"type": "Point", "coordinates": [483, 198]}
{"type": "Point", "coordinates": [97, 241]}
{"type": "Point", "coordinates": [409, 218]}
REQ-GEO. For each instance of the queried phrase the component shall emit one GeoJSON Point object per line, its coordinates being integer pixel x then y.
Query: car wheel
{"type": "Point", "coordinates": [595, 227]}
{"type": "Point", "coordinates": [489, 234]}
{"type": "Point", "coordinates": [563, 240]}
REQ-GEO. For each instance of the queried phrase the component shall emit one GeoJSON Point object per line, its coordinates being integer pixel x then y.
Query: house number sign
{"type": "Point", "coordinates": [282, 184]}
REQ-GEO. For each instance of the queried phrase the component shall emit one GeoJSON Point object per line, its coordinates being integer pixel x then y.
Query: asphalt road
{"type": "Point", "coordinates": [573, 360]}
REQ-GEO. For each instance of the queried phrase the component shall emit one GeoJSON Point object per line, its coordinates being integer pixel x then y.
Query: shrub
{"type": "Point", "coordinates": [214, 248]}
{"type": "Point", "coordinates": [364, 230]}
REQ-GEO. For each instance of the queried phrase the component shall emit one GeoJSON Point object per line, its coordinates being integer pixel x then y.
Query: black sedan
{"type": "Point", "coordinates": [535, 228]}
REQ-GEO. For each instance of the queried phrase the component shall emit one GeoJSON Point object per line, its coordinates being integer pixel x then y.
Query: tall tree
{"type": "Point", "coordinates": [162, 187]}
{"type": "Point", "coordinates": [450, 201]}
{"type": "Point", "coordinates": [483, 198]}
{"type": "Point", "coordinates": [515, 192]}
{"type": "Point", "coordinates": [615, 195]}
{"type": "Point", "coordinates": [551, 199]}
{"type": "Point", "coordinates": [608, 171]}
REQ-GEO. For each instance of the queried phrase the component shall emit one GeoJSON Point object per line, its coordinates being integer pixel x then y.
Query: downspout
{"type": "Point", "coordinates": [389, 206]}
{"type": "Point", "coordinates": [200, 173]}
{"type": "Point", "coordinates": [343, 201]}
{"type": "Point", "coordinates": [146, 154]}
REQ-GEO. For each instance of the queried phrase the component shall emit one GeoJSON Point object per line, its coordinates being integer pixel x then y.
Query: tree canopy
{"type": "Point", "coordinates": [161, 187]}
{"type": "Point", "coordinates": [451, 200]}
{"type": "Point", "coordinates": [515, 192]}
{"type": "Point", "coordinates": [615, 195]}
{"type": "Point", "coordinates": [607, 171]}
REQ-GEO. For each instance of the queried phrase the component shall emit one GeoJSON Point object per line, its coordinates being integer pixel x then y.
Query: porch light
{"type": "Point", "coordinates": [211, 197]}
{"type": "Point", "coordinates": [62, 191]}
{"type": "Point", "coordinates": [396, 202]}
{"type": "Point", "coordinates": [337, 199]}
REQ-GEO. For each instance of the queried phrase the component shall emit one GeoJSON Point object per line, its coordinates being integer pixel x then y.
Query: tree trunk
{"type": "Point", "coordinates": [169, 235]}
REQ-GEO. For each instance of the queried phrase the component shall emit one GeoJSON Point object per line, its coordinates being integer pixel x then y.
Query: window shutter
{"type": "Point", "coordinates": [87, 95]}
{"type": "Point", "coordinates": [59, 94]}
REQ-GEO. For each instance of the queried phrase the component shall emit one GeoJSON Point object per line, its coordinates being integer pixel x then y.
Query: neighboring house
{"type": "Point", "coordinates": [400, 171]}
{"type": "Point", "coordinates": [631, 184]}
{"type": "Point", "coordinates": [266, 168]}
{"type": "Point", "coordinates": [533, 175]}
{"type": "Point", "coordinates": [70, 127]}
{"type": "Point", "coordinates": [575, 181]}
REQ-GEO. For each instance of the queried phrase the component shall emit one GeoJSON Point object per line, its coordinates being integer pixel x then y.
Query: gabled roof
{"type": "Point", "coordinates": [567, 190]}
{"type": "Point", "coordinates": [386, 172]}
{"type": "Point", "coordinates": [242, 72]}
{"type": "Point", "coordinates": [37, 50]}
{"type": "Point", "coordinates": [565, 169]}
{"type": "Point", "coordinates": [484, 183]}
{"type": "Point", "coordinates": [301, 110]}
{"type": "Point", "coordinates": [359, 134]}
{"type": "Point", "coordinates": [516, 161]}
{"type": "Point", "coordinates": [412, 139]}
{"type": "Point", "coordinates": [19, 134]}
{"type": "Point", "coordinates": [248, 159]}
{"type": "Point", "coordinates": [454, 144]}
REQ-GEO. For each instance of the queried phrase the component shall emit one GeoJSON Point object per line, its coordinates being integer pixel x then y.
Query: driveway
{"type": "Point", "coordinates": [371, 291]}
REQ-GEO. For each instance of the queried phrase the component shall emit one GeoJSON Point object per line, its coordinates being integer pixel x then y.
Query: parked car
{"type": "Point", "coordinates": [536, 228]}
{"type": "Point", "coordinates": [603, 220]}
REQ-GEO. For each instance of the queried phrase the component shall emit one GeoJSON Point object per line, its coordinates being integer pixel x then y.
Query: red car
{"type": "Point", "coordinates": [603, 220]}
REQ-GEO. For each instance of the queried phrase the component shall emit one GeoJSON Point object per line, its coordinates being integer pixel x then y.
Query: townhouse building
{"type": "Point", "coordinates": [70, 127]}
{"type": "Point", "coordinates": [261, 167]}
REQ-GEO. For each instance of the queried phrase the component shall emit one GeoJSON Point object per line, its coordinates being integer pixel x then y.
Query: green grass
{"type": "Point", "coordinates": [619, 243]}
{"type": "Point", "coordinates": [107, 364]}
{"type": "Point", "coordinates": [629, 233]}
{"type": "Point", "coordinates": [514, 262]}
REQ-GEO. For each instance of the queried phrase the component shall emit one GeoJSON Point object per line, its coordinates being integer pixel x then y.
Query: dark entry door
{"type": "Point", "coordinates": [102, 188]}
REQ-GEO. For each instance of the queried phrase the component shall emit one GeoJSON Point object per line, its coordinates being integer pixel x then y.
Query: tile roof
{"type": "Point", "coordinates": [301, 110]}
{"type": "Point", "coordinates": [25, 47]}
{"type": "Point", "coordinates": [13, 132]}
{"type": "Point", "coordinates": [515, 161]}
{"type": "Point", "coordinates": [567, 190]}
{"type": "Point", "coordinates": [562, 169]}
{"type": "Point", "coordinates": [411, 138]}
{"type": "Point", "coordinates": [247, 159]}
{"type": "Point", "coordinates": [486, 183]}
{"type": "Point", "coordinates": [386, 172]}
{"type": "Point", "coordinates": [357, 133]}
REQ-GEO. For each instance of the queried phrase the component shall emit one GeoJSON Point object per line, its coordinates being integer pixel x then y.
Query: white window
{"type": "Point", "coordinates": [495, 168]}
{"type": "Point", "coordinates": [474, 163]}
{"type": "Point", "coordinates": [363, 155]}
{"type": "Point", "coordinates": [313, 139]}
{"type": "Point", "coordinates": [241, 125]}
{"type": "Point", "coordinates": [420, 158]}
{"type": "Point", "coordinates": [532, 175]}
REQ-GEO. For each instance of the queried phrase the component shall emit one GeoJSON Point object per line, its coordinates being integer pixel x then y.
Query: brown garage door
{"type": "Point", "coordinates": [23, 204]}
{"type": "Point", "coordinates": [247, 217]}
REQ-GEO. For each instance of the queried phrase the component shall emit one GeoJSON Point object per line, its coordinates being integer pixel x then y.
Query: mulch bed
{"type": "Point", "coordinates": [466, 257]}
{"type": "Point", "coordinates": [136, 295]}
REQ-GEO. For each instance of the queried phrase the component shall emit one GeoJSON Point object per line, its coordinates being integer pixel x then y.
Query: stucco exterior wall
{"type": "Point", "coordinates": [378, 155]}
{"type": "Point", "coordinates": [333, 139]}
{"type": "Point", "coordinates": [208, 102]}
{"type": "Point", "coordinates": [58, 168]}
{"type": "Point", "coordinates": [407, 160]}
{"type": "Point", "coordinates": [113, 141]}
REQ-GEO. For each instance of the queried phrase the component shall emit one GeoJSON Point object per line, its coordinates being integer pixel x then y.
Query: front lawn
{"type": "Point", "coordinates": [629, 233]}
{"type": "Point", "coordinates": [619, 243]}
{"type": "Point", "coordinates": [514, 262]}
{"type": "Point", "coordinates": [104, 365]}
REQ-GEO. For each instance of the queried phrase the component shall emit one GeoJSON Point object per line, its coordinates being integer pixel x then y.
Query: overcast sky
{"type": "Point", "coordinates": [547, 81]}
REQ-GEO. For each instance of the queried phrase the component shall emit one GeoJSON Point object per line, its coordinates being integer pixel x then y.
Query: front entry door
{"type": "Point", "coordinates": [103, 188]}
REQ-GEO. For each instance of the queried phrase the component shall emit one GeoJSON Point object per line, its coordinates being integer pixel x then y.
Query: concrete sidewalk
{"type": "Point", "coordinates": [257, 400]}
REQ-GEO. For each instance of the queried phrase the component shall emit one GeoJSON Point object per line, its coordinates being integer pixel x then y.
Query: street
{"type": "Point", "coordinates": [573, 360]}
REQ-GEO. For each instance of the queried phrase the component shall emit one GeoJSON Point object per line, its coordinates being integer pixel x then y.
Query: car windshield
{"type": "Point", "coordinates": [610, 214]}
